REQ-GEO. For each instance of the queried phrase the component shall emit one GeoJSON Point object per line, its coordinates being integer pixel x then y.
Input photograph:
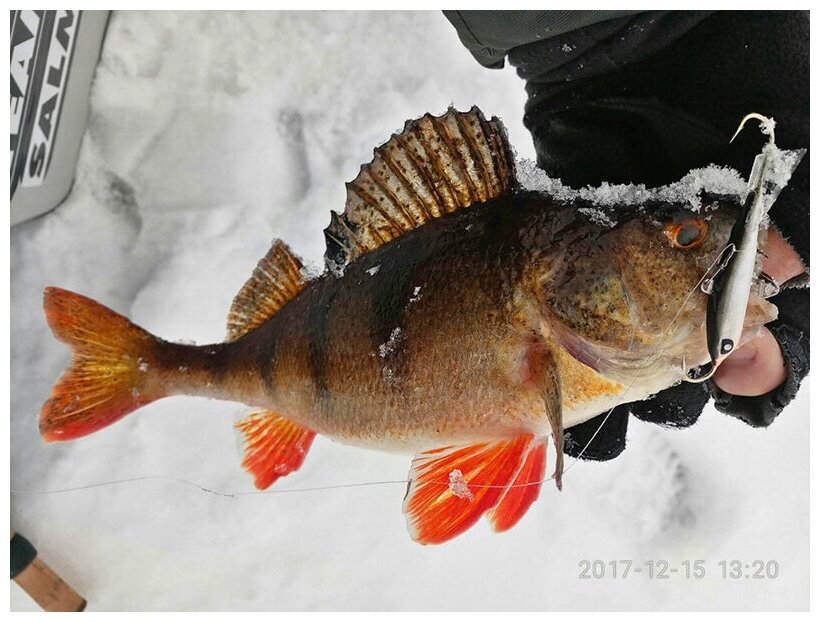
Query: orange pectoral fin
{"type": "Point", "coordinates": [274, 446]}
{"type": "Point", "coordinates": [453, 487]}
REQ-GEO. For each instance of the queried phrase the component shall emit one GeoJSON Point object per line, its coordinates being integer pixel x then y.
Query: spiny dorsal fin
{"type": "Point", "coordinates": [276, 279]}
{"type": "Point", "coordinates": [435, 166]}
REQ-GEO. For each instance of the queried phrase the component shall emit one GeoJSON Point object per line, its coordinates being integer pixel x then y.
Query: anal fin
{"type": "Point", "coordinates": [274, 446]}
{"type": "Point", "coordinates": [453, 487]}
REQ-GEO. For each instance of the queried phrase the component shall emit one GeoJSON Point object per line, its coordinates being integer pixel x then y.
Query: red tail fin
{"type": "Point", "coordinates": [110, 373]}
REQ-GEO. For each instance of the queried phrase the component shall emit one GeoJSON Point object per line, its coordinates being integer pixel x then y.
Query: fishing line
{"type": "Point", "coordinates": [205, 489]}
{"type": "Point", "coordinates": [248, 493]}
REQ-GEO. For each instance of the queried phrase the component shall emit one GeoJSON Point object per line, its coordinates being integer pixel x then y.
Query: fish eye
{"type": "Point", "coordinates": [687, 234]}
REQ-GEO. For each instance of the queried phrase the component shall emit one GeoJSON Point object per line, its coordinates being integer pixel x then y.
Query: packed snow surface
{"type": "Point", "coordinates": [210, 135]}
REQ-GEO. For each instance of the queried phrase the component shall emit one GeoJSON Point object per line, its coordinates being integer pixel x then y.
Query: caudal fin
{"type": "Point", "coordinates": [111, 371]}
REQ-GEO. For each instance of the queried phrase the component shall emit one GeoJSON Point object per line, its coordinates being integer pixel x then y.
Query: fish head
{"type": "Point", "coordinates": [632, 295]}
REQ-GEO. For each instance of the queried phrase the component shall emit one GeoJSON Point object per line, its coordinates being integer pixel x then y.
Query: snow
{"type": "Point", "coordinates": [767, 127]}
{"type": "Point", "coordinates": [211, 133]}
{"type": "Point", "coordinates": [692, 190]}
{"type": "Point", "coordinates": [458, 485]}
{"type": "Point", "coordinates": [607, 198]}
{"type": "Point", "coordinates": [389, 346]}
{"type": "Point", "coordinates": [781, 165]}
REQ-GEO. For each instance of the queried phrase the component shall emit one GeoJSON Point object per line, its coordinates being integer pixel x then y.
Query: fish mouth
{"type": "Point", "coordinates": [758, 313]}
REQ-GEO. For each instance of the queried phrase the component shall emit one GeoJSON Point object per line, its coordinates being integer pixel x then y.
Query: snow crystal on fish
{"type": "Point", "coordinates": [334, 267]}
{"type": "Point", "coordinates": [458, 485]}
{"type": "Point", "coordinates": [390, 345]}
{"type": "Point", "coordinates": [597, 216]}
{"type": "Point", "coordinates": [309, 272]}
{"type": "Point", "coordinates": [388, 348]}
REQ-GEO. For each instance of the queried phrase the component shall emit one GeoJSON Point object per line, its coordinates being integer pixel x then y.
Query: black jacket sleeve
{"type": "Point", "coordinates": [644, 98]}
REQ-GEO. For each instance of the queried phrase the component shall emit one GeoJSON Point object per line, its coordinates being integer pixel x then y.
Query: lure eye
{"type": "Point", "coordinates": [687, 233]}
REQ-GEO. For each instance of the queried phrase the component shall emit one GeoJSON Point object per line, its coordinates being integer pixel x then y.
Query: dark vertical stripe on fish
{"type": "Point", "coordinates": [266, 361]}
{"type": "Point", "coordinates": [390, 290]}
{"type": "Point", "coordinates": [318, 335]}
{"type": "Point", "coordinates": [217, 361]}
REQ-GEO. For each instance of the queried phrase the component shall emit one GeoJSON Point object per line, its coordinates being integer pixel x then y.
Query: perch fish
{"type": "Point", "coordinates": [460, 318]}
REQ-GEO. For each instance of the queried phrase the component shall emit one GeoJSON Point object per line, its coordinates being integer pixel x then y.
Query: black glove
{"type": "Point", "coordinates": [644, 99]}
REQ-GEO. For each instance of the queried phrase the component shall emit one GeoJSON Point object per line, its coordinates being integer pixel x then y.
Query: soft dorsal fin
{"type": "Point", "coordinates": [435, 166]}
{"type": "Point", "coordinates": [276, 279]}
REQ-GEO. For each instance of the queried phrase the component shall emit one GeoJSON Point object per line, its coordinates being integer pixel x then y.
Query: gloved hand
{"type": "Point", "coordinates": [644, 99]}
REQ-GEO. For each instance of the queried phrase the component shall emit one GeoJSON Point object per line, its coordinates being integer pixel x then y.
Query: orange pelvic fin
{"type": "Point", "coordinates": [453, 487]}
{"type": "Point", "coordinates": [112, 368]}
{"type": "Point", "coordinates": [274, 446]}
{"type": "Point", "coordinates": [524, 490]}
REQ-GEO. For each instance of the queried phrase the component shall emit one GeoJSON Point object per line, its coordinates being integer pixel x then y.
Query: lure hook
{"type": "Point", "coordinates": [699, 374]}
{"type": "Point", "coordinates": [766, 123]}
